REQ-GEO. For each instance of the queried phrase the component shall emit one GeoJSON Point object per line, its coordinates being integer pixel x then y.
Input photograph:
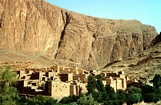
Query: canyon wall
{"type": "Point", "coordinates": [37, 27]}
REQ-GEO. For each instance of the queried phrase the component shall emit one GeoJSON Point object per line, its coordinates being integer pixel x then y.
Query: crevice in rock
{"type": "Point", "coordinates": [1, 15]}
{"type": "Point", "coordinates": [66, 19]}
{"type": "Point", "coordinates": [0, 23]}
{"type": "Point", "coordinates": [111, 56]}
{"type": "Point", "coordinates": [91, 54]}
{"type": "Point", "coordinates": [63, 31]}
{"type": "Point", "coordinates": [111, 63]}
{"type": "Point", "coordinates": [25, 37]}
{"type": "Point", "coordinates": [111, 59]}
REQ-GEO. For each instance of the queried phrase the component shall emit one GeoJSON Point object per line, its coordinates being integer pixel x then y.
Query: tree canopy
{"type": "Point", "coordinates": [9, 94]}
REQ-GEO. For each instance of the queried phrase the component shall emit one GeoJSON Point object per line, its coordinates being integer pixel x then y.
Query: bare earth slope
{"type": "Point", "coordinates": [37, 28]}
{"type": "Point", "coordinates": [145, 64]}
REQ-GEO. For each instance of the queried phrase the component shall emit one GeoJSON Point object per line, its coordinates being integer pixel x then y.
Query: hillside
{"type": "Point", "coordinates": [143, 65]}
{"type": "Point", "coordinates": [38, 32]}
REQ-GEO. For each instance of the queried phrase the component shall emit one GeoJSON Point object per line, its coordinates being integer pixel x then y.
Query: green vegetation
{"type": "Point", "coordinates": [69, 99]}
{"type": "Point", "coordinates": [87, 100]}
{"type": "Point", "coordinates": [50, 101]}
{"type": "Point", "coordinates": [97, 93]}
{"type": "Point", "coordinates": [152, 93]}
{"type": "Point", "coordinates": [36, 100]}
{"type": "Point", "coordinates": [107, 96]}
{"type": "Point", "coordinates": [121, 97]}
{"type": "Point", "coordinates": [134, 95]}
{"type": "Point", "coordinates": [8, 94]}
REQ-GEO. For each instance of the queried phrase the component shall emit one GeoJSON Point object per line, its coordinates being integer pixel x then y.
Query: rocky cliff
{"type": "Point", "coordinates": [37, 27]}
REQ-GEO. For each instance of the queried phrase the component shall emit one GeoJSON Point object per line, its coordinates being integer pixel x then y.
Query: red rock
{"type": "Point", "coordinates": [37, 27]}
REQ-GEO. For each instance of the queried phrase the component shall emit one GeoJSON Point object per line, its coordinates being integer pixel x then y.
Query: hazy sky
{"type": "Point", "coordinates": [146, 11]}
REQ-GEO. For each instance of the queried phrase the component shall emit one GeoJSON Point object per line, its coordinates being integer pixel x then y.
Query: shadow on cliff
{"type": "Point", "coordinates": [156, 40]}
{"type": "Point", "coordinates": [109, 64]}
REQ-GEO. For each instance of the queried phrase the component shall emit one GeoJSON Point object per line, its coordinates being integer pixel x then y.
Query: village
{"type": "Point", "coordinates": [60, 81]}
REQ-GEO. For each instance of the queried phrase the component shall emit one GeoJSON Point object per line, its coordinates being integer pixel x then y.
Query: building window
{"type": "Point", "coordinates": [33, 84]}
{"type": "Point", "coordinates": [47, 74]}
{"type": "Point", "coordinates": [51, 78]}
{"type": "Point", "coordinates": [43, 79]}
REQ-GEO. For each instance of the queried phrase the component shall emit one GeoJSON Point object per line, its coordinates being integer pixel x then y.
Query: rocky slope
{"type": "Point", "coordinates": [143, 65]}
{"type": "Point", "coordinates": [35, 27]}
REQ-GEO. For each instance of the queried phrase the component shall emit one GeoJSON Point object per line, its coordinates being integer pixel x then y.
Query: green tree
{"type": "Point", "coordinates": [91, 85]}
{"type": "Point", "coordinates": [121, 97]}
{"type": "Point", "coordinates": [100, 77]}
{"type": "Point", "coordinates": [97, 96]}
{"type": "Point", "coordinates": [151, 97]}
{"type": "Point", "coordinates": [99, 85]}
{"type": "Point", "coordinates": [151, 94]}
{"type": "Point", "coordinates": [134, 95]}
{"type": "Point", "coordinates": [8, 93]}
{"type": "Point", "coordinates": [39, 100]}
{"type": "Point", "coordinates": [50, 101]}
{"type": "Point", "coordinates": [87, 100]}
{"type": "Point", "coordinates": [24, 101]}
{"type": "Point", "coordinates": [158, 92]}
{"type": "Point", "coordinates": [134, 90]}
{"type": "Point", "coordinates": [110, 93]}
{"type": "Point", "coordinates": [7, 77]}
{"type": "Point", "coordinates": [69, 99]}
{"type": "Point", "coordinates": [109, 97]}
{"type": "Point", "coordinates": [147, 89]}
{"type": "Point", "coordinates": [111, 102]}
{"type": "Point", "coordinates": [156, 80]}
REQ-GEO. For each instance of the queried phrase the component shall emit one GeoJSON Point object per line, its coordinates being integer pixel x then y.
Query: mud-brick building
{"type": "Point", "coordinates": [117, 83]}
{"type": "Point", "coordinates": [58, 89]}
{"type": "Point", "coordinates": [117, 80]}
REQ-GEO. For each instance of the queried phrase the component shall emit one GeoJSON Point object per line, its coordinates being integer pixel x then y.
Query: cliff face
{"type": "Point", "coordinates": [37, 27]}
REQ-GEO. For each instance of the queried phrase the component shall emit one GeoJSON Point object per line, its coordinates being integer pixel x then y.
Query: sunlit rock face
{"type": "Point", "coordinates": [37, 27]}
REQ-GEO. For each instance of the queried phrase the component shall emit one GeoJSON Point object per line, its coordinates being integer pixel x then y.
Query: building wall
{"type": "Point", "coordinates": [73, 90]}
{"type": "Point", "coordinates": [56, 69]}
{"type": "Point", "coordinates": [66, 77]}
{"type": "Point", "coordinates": [20, 86]}
{"type": "Point", "coordinates": [83, 88]}
{"type": "Point", "coordinates": [60, 89]}
{"type": "Point", "coordinates": [119, 84]}
{"type": "Point", "coordinates": [21, 73]}
{"type": "Point", "coordinates": [79, 76]}
{"type": "Point", "coordinates": [80, 71]}
{"type": "Point", "coordinates": [73, 68]}
{"type": "Point", "coordinates": [122, 76]}
{"type": "Point", "coordinates": [112, 75]}
{"type": "Point", "coordinates": [124, 84]}
{"type": "Point", "coordinates": [113, 84]}
{"type": "Point", "coordinates": [35, 75]}
{"type": "Point", "coordinates": [70, 76]}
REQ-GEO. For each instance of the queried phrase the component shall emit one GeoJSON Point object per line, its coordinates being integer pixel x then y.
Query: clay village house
{"type": "Point", "coordinates": [60, 81]}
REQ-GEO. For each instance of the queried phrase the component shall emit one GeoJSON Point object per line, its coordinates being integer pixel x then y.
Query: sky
{"type": "Point", "coordinates": [146, 11]}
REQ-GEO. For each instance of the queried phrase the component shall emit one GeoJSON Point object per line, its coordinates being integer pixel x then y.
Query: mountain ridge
{"type": "Point", "coordinates": [68, 38]}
